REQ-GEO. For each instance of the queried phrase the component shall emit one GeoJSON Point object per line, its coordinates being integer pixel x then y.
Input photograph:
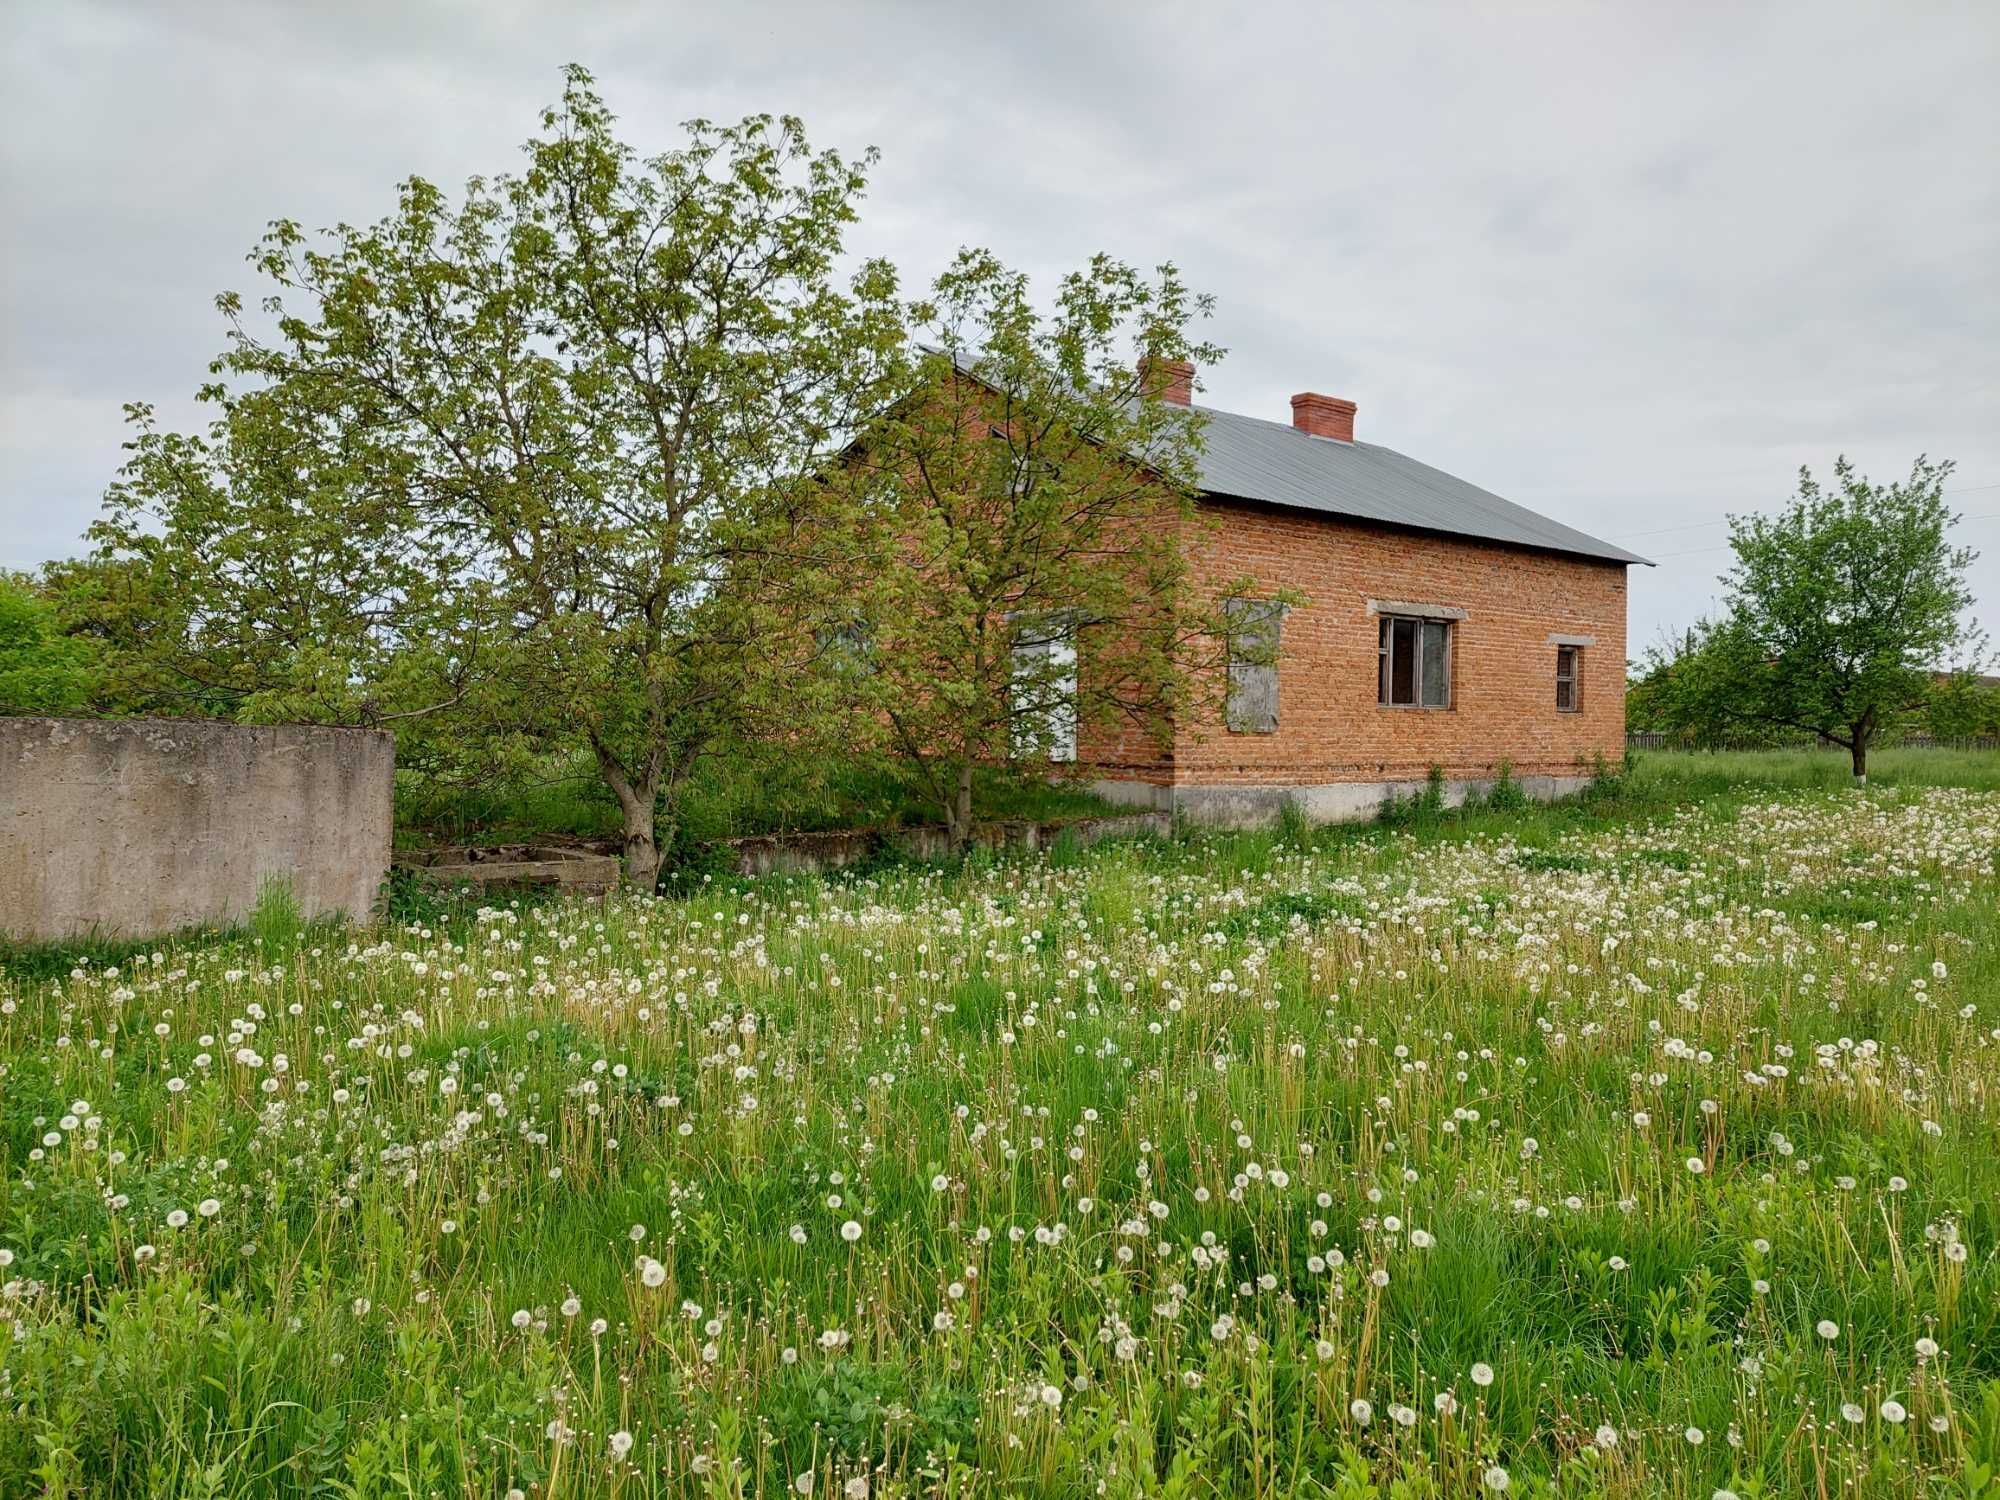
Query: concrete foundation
{"type": "Point", "coordinates": [1326, 802]}
{"type": "Point", "coordinates": [795, 853]}
{"type": "Point", "coordinates": [131, 828]}
{"type": "Point", "coordinates": [578, 872]}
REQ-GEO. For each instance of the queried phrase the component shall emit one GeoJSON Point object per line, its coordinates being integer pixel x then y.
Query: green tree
{"type": "Point", "coordinates": [1840, 611]}
{"type": "Point", "coordinates": [1028, 593]}
{"type": "Point", "coordinates": [1963, 706]}
{"type": "Point", "coordinates": [1645, 694]}
{"type": "Point", "coordinates": [43, 669]}
{"type": "Point", "coordinates": [531, 460]}
{"type": "Point", "coordinates": [129, 619]}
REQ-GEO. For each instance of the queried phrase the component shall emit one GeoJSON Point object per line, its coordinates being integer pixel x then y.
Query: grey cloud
{"type": "Point", "coordinates": [1630, 265]}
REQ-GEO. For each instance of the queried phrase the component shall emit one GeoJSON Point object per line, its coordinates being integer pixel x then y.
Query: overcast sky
{"type": "Point", "coordinates": [1627, 264]}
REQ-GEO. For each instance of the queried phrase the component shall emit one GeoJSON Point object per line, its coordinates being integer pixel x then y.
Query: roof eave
{"type": "Point", "coordinates": [1608, 554]}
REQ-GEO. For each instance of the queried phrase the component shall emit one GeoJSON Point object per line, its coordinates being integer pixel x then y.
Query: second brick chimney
{"type": "Point", "coordinates": [1172, 379]}
{"type": "Point", "coordinates": [1323, 416]}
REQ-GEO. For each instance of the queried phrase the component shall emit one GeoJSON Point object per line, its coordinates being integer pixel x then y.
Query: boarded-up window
{"type": "Point", "coordinates": [1255, 628]}
{"type": "Point", "coordinates": [1569, 679]}
{"type": "Point", "coordinates": [1414, 663]}
{"type": "Point", "coordinates": [1044, 694]}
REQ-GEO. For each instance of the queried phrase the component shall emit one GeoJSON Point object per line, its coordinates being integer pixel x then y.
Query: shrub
{"type": "Point", "coordinates": [1506, 795]}
{"type": "Point", "coordinates": [1294, 827]}
{"type": "Point", "coordinates": [1425, 810]}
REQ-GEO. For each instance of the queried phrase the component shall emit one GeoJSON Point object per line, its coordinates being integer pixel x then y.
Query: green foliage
{"type": "Point", "coordinates": [616, 459]}
{"type": "Point", "coordinates": [1024, 582]}
{"type": "Point", "coordinates": [1505, 795]}
{"type": "Point", "coordinates": [528, 464]}
{"type": "Point", "coordinates": [43, 670]}
{"type": "Point", "coordinates": [1419, 812]}
{"type": "Point", "coordinates": [758, 790]}
{"type": "Point", "coordinates": [1294, 827]}
{"type": "Point", "coordinates": [276, 921]}
{"type": "Point", "coordinates": [510, 1197]}
{"type": "Point", "coordinates": [1125, 1134]}
{"type": "Point", "coordinates": [1663, 779]}
{"type": "Point", "coordinates": [1842, 608]}
{"type": "Point", "coordinates": [1963, 707]}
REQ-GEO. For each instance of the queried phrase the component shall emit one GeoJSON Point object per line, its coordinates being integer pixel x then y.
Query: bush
{"type": "Point", "coordinates": [1506, 795]}
{"type": "Point", "coordinates": [42, 670]}
{"type": "Point", "coordinates": [1294, 827]}
{"type": "Point", "coordinates": [1423, 811]}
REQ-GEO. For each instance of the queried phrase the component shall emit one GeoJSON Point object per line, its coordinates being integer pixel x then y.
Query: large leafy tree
{"type": "Point", "coordinates": [1841, 610]}
{"type": "Point", "coordinates": [1028, 594]}
{"type": "Point", "coordinates": [530, 459]}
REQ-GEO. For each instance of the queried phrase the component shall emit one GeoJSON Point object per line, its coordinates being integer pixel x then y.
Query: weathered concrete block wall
{"type": "Point", "coordinates": [136, 827]}
{"type": "Point", "coordinates": [806, 853]}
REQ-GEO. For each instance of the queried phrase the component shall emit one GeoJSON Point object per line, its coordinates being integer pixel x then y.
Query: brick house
{"type": "Point", "coordinates": [1442, 626]}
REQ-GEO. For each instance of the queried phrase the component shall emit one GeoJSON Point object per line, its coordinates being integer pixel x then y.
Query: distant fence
{"type": "Point", "coordinates": [130, 828]}
{"type": "Point", "coordinates": [1658, 739]}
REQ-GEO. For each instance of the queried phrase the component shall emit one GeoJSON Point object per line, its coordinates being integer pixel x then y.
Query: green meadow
{"type": "Point", "coordinates": [1648, 1145]}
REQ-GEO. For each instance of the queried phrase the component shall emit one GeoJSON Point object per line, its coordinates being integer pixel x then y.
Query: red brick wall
{"type": "Point", "coordinates": [1330, 727]}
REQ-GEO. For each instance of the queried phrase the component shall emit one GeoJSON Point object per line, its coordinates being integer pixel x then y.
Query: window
{"type": "Point", "coordinates": [1569, 679]}
{"type": "Point", "coordinates": [1255, 626]}
{"type": "Point", "coordinates": [1415, 663]}
{"type": "Point", "coordinates": [845, 645]}
{"type": "Point", "coordinates": [1044, 694]}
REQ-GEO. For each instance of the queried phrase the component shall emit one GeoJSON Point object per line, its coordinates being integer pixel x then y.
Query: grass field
{"type": "Point", "coordinates": [1649, 1145]}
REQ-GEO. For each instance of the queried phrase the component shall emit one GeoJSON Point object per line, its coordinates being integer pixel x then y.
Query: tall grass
{"type": "Point", "coordinates": [1645, 1145]}
{"type": "Point", "coordinates": [1824, 769]}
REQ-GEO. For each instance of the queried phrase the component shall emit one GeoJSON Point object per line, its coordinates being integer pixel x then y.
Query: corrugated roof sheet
{"type": "Point", "coordinates": [1273, 463]}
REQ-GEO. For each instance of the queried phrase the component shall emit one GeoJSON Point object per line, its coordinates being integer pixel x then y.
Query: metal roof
{"type": "Point", "coordinates": [1273, 463]}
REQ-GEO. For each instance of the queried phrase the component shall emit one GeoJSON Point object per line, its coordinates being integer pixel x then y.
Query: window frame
{"type": "Point", "coordinates": [1385, 661]}
{"type": "Point", "coordinates": [1574, 681]}
{"type": "Point", "coordinates": [847, 644]}
{"type": "Point", "coordinates": [1047, 728]}
{"type": "Point", "coordinates": [1250, 620]}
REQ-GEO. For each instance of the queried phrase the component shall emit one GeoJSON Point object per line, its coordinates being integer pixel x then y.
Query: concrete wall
{"type": "Point", "coordinates": [137, 827]}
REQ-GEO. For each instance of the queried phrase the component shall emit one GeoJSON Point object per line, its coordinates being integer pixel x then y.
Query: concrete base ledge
{"type": "Point", "coordinates": [1326, 802]}
{"type": "Point", "coordinates": [805, 853]}
{"type": "Point", "coordinates": [578, 871]}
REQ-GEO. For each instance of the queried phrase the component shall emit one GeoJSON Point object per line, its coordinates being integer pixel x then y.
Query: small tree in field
{"type": "Point", "coordinates": [531, 460]}
{"type": "Point", "coordinates": [1841, 609]}
{"type": "Point", "coordinates": [1030, 505]}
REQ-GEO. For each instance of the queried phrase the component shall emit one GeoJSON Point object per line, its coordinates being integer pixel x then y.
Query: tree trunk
{"type": "Point", "coordinates": [958, 811]}
{"type": "Point", "coordinates": [642, 853]}
{"type": "Point", "coordinates": [637, 804]}
{"type": "Point", "coordinates": [1859, 747]}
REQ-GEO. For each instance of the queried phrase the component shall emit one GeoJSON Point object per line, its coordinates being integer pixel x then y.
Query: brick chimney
{"type": "Point", "coordinates": [1323, 416]}
{"type": "Point", "coordinates": [1172, 379]}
